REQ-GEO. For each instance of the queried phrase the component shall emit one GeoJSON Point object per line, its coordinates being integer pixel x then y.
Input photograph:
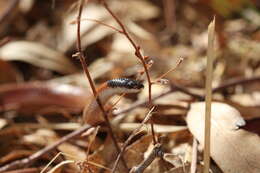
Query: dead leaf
{"type": "Point", "coordinates": [234, 150]}
{"type": "Point", "coordinates": [8, 73]}
{"type": "Point", "coordinates": [38, 55]}
{"type": "Point", "coordinates": [135, 152]}
{"type": "Point", "coordinates": [34, 96]}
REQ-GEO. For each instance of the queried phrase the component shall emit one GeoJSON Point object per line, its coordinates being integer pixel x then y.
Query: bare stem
{"type": "Point", "coordinates": [139, 55]}
{"type": "Point", "coordinates": [84, 65]}
{"type": "Point", "coordinates": [156, 152]}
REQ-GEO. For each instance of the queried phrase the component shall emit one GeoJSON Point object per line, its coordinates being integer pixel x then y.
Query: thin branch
{"type": "Point", "coordinates": [177, 87]}
{"type": "Point", "coordinates": [156, 152]}
{"type": "Point", "coordinates": [29, 160]}
{"type": "Point", "coordinates": [139, 55]}
{"type": "Point", "coordinates": [148, 116]}
{"type": "Point", "coordinates": [136, 47]}
{"type": "Point", "coordinates": [84, 65]}
{"type": "Point", "coordinates": [101, 23]}
{"type": "Point", "coordinates": [25, 170]}
{"type": "Point", "coordinates": [236, 81]}
{"type": "Point", "coordinates": [174, 68]}
{"type": "Point", "coordinates": [182, 89]}
{"type": "Point", "coordinates": [142, 103]}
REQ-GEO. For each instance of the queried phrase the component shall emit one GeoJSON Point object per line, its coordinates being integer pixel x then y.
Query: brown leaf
{"type": "Point", "coordinates": [135, 152]}
{"type": "Point", "coordinates": [34, 96]}
{"type": "Point", "coordinates": [8, 73]}
{"type": "Point", "coordinates": [234, 150]}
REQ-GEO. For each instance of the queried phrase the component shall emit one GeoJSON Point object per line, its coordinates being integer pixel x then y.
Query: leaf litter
{"type": "Point", "coordinates": [43, 90]}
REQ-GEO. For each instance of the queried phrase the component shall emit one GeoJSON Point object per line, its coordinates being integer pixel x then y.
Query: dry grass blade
{"type": "Point", "coordinates": [210, 57]}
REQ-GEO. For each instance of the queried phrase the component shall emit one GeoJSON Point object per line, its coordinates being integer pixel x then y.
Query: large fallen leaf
{"type": "Point", "coordinates": [36, 96]}
{"type": "Point", "coordinates": [38, 55]}
{"type": "Point", "coordinates": [234, 150]}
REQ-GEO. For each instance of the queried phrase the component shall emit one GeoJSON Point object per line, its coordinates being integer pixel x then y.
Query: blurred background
{"type": "Point", "coordinates": [38, 40]}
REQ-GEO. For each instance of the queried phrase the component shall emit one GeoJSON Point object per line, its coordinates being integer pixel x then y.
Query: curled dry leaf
{"type": "Point", "coordinates": [35, 96]}
{"type": "Point", "coordinates": [234, 150]}
{"type": "Point", "coordinates": [38, 55]}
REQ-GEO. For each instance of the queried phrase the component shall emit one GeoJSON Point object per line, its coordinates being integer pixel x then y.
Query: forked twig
{"type": "Point", "coordinates": [156, 152]}
{"type": "Point", "coordinates": [172, 69]}
{"type": "Point", "coordinates": [84, 65]}
{"type": "Point", "coordinates": [139, 55]}
{"type": "Point", "coordinates": [136, 47]}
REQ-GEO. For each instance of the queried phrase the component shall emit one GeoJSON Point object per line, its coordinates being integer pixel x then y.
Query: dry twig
{"type": "Point", "coordinates": [84, 65]}
{"type": "Point", "coordinates": [156, 152]}
{"type": "Point", "coordinates": [140, 56]}
{"type": "Point", "coordinates": [236, 81]}
{"type": "Point", "coordinates": [148, 116]}
{"type": "Point", "coordinates": [27, 161]}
